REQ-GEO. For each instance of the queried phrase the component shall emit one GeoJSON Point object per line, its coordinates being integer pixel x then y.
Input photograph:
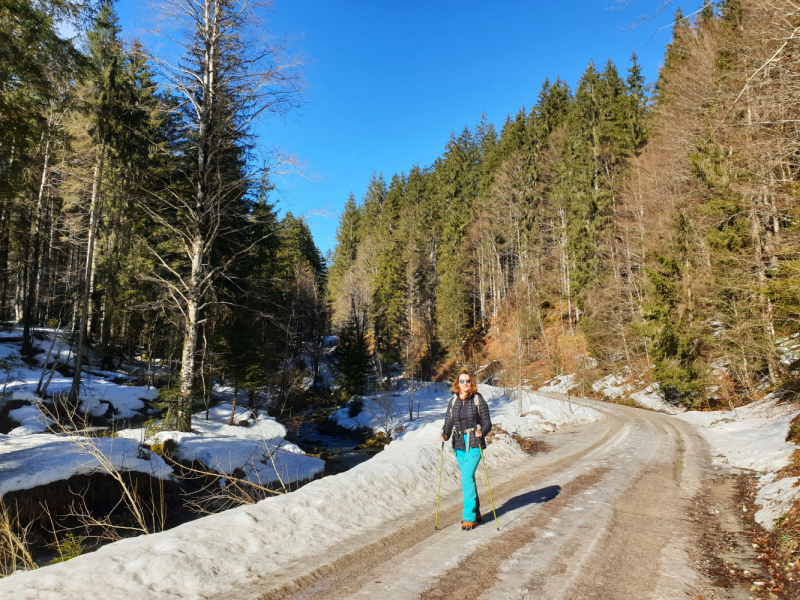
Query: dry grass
{"type": "Point", "coordinates": [14, 553]}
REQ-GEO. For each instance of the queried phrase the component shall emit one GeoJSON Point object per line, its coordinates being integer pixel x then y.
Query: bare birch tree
{"type": "Point", "coordinates": [231, 73]}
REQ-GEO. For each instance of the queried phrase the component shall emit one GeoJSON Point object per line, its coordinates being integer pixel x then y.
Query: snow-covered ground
{"type": "Point", "coordinates": [259, 448]}
{"type": "Point", "coordinates": [216, 554]}
{"type": "Point", "coordinates": [100, 395]}
{"type": "Point", "coordinates": [517, 411]}
{"type": "Point", "coordinates": [30, 419]}
{"type": "Point", "coordinates": [30, 457]}
{"type": "Point", "coordinates": [625, 385]}
{"type": "Point", "coordinates": [561, 384]}
{"type": "Point", "coordinates": [753, 438]}
{"type": "Point", "coordinates": [38, 459]}
{"type": "Point", "coordinates": [789, 348]}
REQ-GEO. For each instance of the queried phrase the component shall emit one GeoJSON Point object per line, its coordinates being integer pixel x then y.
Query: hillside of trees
{"type": "Point", "coordinates": [135, 209]}
{"type": "Point", "coordinates": [617, 226]}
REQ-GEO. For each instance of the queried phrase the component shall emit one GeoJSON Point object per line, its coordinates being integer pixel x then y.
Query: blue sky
{"type": "Point", "coordinates": [387, 81]}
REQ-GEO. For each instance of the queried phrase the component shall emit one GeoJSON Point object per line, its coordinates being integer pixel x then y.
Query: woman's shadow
{"type": "Point", "coordinates": [539, 496]}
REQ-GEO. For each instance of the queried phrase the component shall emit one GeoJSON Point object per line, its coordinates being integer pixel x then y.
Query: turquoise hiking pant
{"type": "Point", "coordinates": [468, 461]}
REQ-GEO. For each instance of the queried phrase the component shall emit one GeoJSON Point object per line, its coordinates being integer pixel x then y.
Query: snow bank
{"type": "Point", "coordinates": [517, 411]}
{"type": "Point", "coordinates": [32, 460]}
{"type": "Point", "coordinates": [98, 394]}
{"type": "Point", "coordinates": [775, 497]}
{"type": "Point", "coordinates": [560, 385]}
{"type": "Point", "coordinates": [789, 348]}
{"type": "Point", "coordinates": [753, 437]}
{"type": "Point", "coordinates": [223, 552]}
{"type": "Point", "coordinates": [259, 449]}
{"type": "Point", "coordinates": [30, 419]}
{"type": "Point", "coordinates": [653, 398]}
{"type": "Point", "coordinates": [624, 385]}
{"type": "Point", "coordinates": [527, 413]}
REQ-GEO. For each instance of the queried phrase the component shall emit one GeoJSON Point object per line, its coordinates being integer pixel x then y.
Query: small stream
{"type": "Point", "coordinates": [342, 449]}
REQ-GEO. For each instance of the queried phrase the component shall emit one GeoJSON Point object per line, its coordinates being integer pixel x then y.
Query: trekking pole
{"type": "Point", "coordinates": [441, 461]}
{"type": "Point", "coordinates": [483, 460]}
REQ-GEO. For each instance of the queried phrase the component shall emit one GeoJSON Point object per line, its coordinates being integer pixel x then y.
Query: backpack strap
{"type": "Point", "coordinates": [474, 397]}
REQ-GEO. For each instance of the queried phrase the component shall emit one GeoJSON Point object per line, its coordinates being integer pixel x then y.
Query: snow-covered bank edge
{"type": "Point", "coordinates": [38, 459]}
{"type": "Point", "coordinates": [257, 446]}
{"type": "Point", "coordinates": [753, 438]}
{"type": "Point", "coordinates": [34, 453]}
{"type": "Point", "coordinates": [259, 450]}
{"type": "Point", "coordinates": [222, 552]}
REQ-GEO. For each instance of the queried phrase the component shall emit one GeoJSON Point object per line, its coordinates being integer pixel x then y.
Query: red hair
{"type": "Point", "coordinates": [474, 384]}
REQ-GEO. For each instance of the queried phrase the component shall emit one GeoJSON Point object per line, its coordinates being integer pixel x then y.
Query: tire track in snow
{"type": "Point", "coordinates": [478, 571]}
{"type": "Point", "coordinates": [344, 577]}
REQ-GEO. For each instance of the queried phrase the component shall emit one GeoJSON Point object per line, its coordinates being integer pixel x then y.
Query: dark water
{"type": "Point", "coordinates": [339, 447]}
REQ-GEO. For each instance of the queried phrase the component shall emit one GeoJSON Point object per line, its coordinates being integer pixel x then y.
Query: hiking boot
{"type": "Point", "coordinates": [479, 518]}
{"type": "Point", "coordinates": [467, 525]}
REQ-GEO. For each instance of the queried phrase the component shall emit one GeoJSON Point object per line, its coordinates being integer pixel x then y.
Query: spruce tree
{"type": "Point", "coordinates": [353, 359]}
{"type": "Point", "coordinates": [106, 59]}
{"type": "Point", "coordinates": [389, 286]}
{"type": "Point", "coordinates": [456, 185]}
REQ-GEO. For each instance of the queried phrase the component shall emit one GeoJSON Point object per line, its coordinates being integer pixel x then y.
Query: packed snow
{"type": "Point", "coordinates": [753, 437]}
{"type": "Point", "coordinates": [254, 445]}
{"type": "Point", "coordinates": [38, 459]}
{"type": "Point", "coordinates": [223, 552]}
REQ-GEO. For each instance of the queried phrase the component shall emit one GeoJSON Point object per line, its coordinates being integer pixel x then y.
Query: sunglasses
{"type": "Point", "coordinates": [463, 381]}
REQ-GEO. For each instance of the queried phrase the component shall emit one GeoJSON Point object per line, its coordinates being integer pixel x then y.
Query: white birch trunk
{"type": "Point", "coordinates": [84, 300]}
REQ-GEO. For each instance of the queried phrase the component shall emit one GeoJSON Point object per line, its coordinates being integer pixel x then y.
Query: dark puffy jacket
{"type": "Point", "coordinates": [475, 415]}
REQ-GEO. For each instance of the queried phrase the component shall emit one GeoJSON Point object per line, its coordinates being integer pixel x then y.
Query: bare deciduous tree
{"type": "Point", "coordinates": [231, 73]}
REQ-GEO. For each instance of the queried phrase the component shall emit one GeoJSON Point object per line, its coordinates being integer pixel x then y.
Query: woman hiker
{"type": "Point", "coordinates": [468, 419]}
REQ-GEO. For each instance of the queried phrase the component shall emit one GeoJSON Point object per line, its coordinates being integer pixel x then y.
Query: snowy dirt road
{"type": "Point", "coordinates": [603, 514]}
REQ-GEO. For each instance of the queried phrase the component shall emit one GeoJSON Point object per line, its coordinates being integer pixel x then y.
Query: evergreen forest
{"type": "Point", "coordinates": [613, 226]}
{"type": "Point", "coordinates": [135, 210]}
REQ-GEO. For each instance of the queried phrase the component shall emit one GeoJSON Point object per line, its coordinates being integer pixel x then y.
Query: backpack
{"type": "Point", "coordinates": [474, 397]}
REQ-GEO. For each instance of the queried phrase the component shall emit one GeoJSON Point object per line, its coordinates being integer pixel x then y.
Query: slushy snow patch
{"type": "Point", "coordinates": [220, 553]}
